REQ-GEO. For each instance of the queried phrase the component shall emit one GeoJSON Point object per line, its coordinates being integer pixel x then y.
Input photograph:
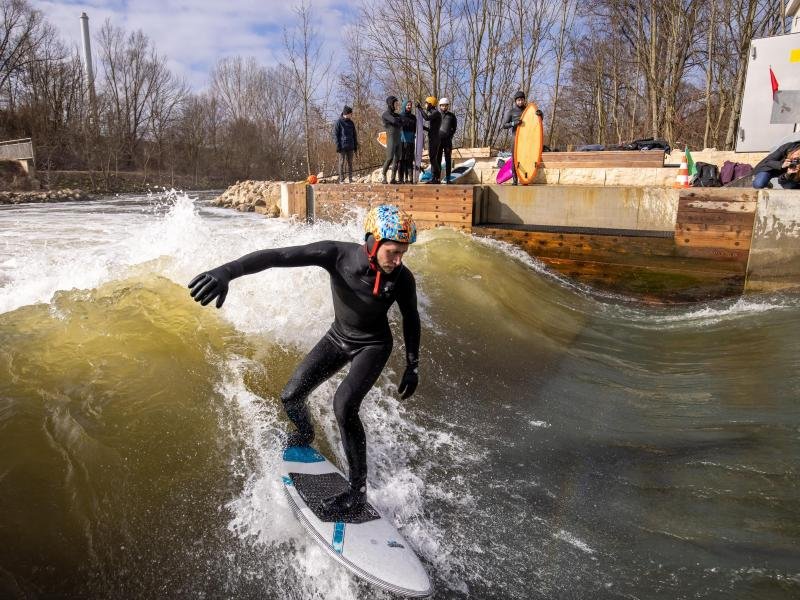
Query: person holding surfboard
{"type": "Point", "coordinates": [366, 280]}
{"type": "Point", "coordinates": [512, 121]}
{"type": "Point", "coordinates": [393, 123]}
{"type": "Point", "coordinates": [434, 119]}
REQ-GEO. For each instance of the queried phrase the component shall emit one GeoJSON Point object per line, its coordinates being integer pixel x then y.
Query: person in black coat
{"type": "Point", "coordinates": [434, 119]}
{"type": "Point", "coordinates": [393, 123]}
{"type": "Point", "coordinates": [446, 132]}
{"type": "Point", "coordinates": [344, 133]}
{"type": "Point", "coordinates": [512, 121]}
{"type": "Point", "coordinates": [783, 163]}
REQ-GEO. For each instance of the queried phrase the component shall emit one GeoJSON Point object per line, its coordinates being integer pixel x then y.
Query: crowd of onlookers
{"type": "Point", "coordinates": [781, 166]}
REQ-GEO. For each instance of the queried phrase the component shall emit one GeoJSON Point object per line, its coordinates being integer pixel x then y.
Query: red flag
{"type": "Point", "coordinates": [774, 82]}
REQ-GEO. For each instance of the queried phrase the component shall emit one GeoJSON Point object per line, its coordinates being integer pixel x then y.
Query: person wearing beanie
{"type": "Point", "coordinates": [512, 121]}
{"type": "Point", "coordinates": [346, 138]}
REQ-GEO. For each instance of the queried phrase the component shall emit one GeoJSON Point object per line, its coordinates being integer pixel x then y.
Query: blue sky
{"type": "Point", "coordinates": [194, 34]}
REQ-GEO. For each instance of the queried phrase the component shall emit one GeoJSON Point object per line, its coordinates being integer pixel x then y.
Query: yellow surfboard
{"type": "Point", "coordinates": [528, 144]}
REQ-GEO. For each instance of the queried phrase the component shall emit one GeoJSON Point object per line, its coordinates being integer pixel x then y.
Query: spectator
{"type": "Point", "coordinates": [408, 134]}
{"type": "Point", "coordinates": [344, 133]}
{"type": "Point", "coordinates": [512, 121]}
{"type": "Point", "coordinates": [393, 123]}
{"type": "Point", "coordinates": [446, 133]}
{"type": "Point", "coordinates": [783, 163]}
{"type": "Point", "coordinates": [434, 120]}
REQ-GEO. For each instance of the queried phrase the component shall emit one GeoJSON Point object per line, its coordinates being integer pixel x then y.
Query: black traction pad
{"type": "Point", "coordinates": [315, 488]}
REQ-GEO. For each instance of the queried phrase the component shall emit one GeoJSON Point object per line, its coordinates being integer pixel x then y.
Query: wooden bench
{"type": "Point", "coordinates": [603, 159]}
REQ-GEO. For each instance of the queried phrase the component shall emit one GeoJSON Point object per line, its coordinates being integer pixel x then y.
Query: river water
{"type": "Point", "coordinates": [560, 445]}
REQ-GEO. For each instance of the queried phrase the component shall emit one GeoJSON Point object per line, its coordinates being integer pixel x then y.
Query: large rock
{"type": "Point", "coordinates": [250, 195]}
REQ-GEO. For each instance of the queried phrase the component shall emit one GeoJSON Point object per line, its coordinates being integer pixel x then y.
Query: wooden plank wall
{"type": "Point", "coordinates": [297, 200]}
{"type": "Point", "coordinates": [430, 205]}
{"type": "Point", "coordinates": [716, 224]}
{"type": "Point", "coordinates": [705, 259]}
{"type": "Point", "coordinates": [604, 159]}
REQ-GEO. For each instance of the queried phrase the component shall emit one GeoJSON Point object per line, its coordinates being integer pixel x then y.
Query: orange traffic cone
{"type": "Point", "coordinates": [682, 178]}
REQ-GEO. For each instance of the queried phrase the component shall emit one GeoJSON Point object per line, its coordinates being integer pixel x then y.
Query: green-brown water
{"type": "Point", "coordinates": [559, 446]}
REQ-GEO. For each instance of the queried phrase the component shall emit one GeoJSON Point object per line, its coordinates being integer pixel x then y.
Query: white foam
{"type": "Point", "coordinates": [566, 536]}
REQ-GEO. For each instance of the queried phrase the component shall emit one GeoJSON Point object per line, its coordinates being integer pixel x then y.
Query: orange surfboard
{"type": "Point", "coordinates": [382, 138]}
{"type": "Point", "coordinates": [528, 144]}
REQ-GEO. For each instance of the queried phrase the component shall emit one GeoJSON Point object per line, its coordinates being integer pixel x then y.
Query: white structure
{"type": "Point", "coordinates": [766, 118]}
{"type": "Point", "coordinates": [793, 10]}
{"type": "Point", "coordinates": [87, 58]}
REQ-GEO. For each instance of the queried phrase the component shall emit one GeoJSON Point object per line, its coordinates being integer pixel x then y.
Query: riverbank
{"type": "Point", "coordinates": [23, 197]}
{"type": "Point", "coordinates": [97, 182]}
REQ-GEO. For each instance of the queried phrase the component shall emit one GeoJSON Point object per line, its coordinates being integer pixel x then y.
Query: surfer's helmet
{"type": "Point", "coordinates": [444, 102]}
{"type": "Point", "coordinates": [388, 222]}
{"type": "Point", "coordinates": [431, 100]}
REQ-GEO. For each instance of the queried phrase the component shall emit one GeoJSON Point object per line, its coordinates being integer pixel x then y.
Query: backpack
{"type": "Point", "coordinates": [707, 175]}
{"type": "Point", "coordinates": [731, 171]}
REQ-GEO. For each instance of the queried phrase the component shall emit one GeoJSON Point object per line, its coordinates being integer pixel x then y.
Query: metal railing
{"type": "Point", "coordinates": [16, 149]}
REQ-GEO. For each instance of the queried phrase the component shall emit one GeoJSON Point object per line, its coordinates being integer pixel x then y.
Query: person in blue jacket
{"type": "Point", "coordinates": [346, 138]}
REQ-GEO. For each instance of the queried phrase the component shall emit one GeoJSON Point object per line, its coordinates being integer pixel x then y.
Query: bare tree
{"type": "Point", "coordinates": [304, 51]}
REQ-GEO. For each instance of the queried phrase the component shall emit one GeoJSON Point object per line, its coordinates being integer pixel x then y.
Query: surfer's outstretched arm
{"type": "Point", "coordinates": [412, 330]}
{"type": "Point", "coordinates": [214, 283]}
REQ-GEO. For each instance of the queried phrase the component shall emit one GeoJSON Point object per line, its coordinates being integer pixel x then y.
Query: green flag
{"type": "Point", "coordinates": [690, 163]}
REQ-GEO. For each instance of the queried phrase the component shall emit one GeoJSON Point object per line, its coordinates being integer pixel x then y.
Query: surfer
{"type": "Point", "coordinates": [446, 132]}
{"type": "Point", "coordinates": [512, 121]}
{"type": "Point", "coordinates": [366, 279]}
{"type": "Point", "coordinates": [434, 120]}
{"type": "Point", "coordinates": [783, 162]}
{"type": "Point", "coordinates": [393, 123]}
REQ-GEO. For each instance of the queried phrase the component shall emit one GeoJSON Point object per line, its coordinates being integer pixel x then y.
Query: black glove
{"type": "Point", "coordinates": [539, 113]}
{"type": "Point", "coordinates": [409, 382]}
{"type": "Point", "coordinates": [211, 284]}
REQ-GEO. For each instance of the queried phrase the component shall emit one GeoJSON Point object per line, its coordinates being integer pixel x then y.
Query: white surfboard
{"type": "Point", "coordinates": [371, 549]}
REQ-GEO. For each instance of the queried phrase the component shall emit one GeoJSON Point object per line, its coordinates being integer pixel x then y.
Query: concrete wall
{"type": "Point", "coordinates": [775, 250]}
{"type": "Point", "coordinates": [639, 208]}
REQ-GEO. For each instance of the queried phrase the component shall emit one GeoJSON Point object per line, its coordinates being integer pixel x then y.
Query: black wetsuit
{"type": "Point", "coordinates": [360, 334]}
{"type": "Point", "coordinates": [434, 119]}
{"type": "Point", "coordinates": [393, 123]}
{"type": "Point", "coordinates": [511, 121]}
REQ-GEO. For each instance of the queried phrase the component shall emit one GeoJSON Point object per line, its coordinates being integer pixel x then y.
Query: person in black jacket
{"type": "Point", "coordinates": [393, 123]}
{"type": "Point", "coordinates": [783, 163]}
{"type": "Point", "coordinates": [344, 133]}
{"type": "Point", "coordinates": [434, 120]}
{"type": "Point", "coordinates": [446, 132]}
{"type": "Point", "coordinates": [512, 121]}
{"type": "Point", "coordinates": [408, 134]}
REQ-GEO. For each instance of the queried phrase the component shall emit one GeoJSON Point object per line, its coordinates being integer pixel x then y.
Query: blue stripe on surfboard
{"type": "Point", "coordinates": [338, 537]}
{"type": "Point", "coordinates": [302, 454]}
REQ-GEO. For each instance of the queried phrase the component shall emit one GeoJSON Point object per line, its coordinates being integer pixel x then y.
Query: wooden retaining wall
{"type": "Point", "coordinates": [430, 205]}
{"type": "Point", "coordinates": [703, 256]}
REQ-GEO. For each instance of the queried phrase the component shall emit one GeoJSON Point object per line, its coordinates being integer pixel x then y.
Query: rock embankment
{"type": "Point", "coordinates": [68, 195]}
{"type": "Point", "coordinates": [263, 197]}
